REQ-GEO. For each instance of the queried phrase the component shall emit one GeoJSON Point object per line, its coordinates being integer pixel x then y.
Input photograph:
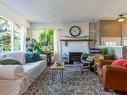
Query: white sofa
{"type": "Point", "coordinates": [15, 79]}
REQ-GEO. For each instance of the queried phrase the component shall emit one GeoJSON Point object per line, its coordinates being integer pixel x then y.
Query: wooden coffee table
{"type": "Point", "coordinates": [57, 68]}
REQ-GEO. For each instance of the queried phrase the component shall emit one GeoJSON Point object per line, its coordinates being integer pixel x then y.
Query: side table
{"type": "Point", "coordinates": [49, 54]}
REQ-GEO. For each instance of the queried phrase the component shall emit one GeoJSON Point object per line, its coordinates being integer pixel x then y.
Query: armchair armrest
{"type": "Point", "coordinates": [105, 62]}
{"type": "Point", "coordinates": [115, 77]}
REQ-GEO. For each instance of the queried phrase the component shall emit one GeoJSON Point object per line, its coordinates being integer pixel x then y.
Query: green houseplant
{"type": "Point", "coordinates": [32, 45]}
{"type": "Point", "coordinates": [84, 55]}
{"type": "Point", "coordinates": [108, 54]}
{"type": "Point", "coordinates": [104, 51]}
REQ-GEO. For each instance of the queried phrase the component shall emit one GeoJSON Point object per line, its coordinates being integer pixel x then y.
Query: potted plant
{"type": "Point", "coordinates": [84, 56]}
{"type": "Point", "coordinates": [32, 46]}
{"type": "Point", "coordinates": [104, 51]}
{"type": "Point", "coordinates": [108, 54]}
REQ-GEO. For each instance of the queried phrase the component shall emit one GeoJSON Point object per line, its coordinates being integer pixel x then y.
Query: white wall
{"type": "Point", "coordinates": [12, 15]}
{"type": "Point", "coordinates": [46, 25]}
{"type": "Point", "coordinates": [75, 46]}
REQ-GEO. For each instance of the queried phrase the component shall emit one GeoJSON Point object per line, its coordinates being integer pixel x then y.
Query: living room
{"type": "Point", "coordinates": [62, 47]}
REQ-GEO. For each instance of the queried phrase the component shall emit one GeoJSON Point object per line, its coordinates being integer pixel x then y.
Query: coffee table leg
{"type": "Point", "coordinates": [62, 75]}
{"type": "Point", "coordinates": [52, 76]}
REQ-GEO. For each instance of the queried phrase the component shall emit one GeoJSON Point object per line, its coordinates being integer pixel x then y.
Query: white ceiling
{"type": "Point", "coordinates": [45, 11]}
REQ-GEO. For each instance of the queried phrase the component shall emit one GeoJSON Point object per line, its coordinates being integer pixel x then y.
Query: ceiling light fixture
{"type": "Point", "coordinates": [121, 18]}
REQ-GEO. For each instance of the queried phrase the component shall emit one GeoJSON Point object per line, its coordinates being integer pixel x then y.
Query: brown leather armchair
{"type": "Point", "coordinates": [99, 66]}
{"type": "Point", "coordinates": [115, 78]}
{"type": "Point", "coordinates": [112, 77]}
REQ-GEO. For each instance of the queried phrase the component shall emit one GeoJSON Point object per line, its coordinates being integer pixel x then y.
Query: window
{"type": "Point", "coordinates": [45, 38]}
{"type": "Point", "coordinates": [110, 43]}
{"type": "Point", "coordinates": [5, 35]}
{"type": "Point", "coordinates": [11, 37]}
{"type": "Point", "coordinates": [17, 37]}
{"type": "Point", "coordinates": [125, 42]}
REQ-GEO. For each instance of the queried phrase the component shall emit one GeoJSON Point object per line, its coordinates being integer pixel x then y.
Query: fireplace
{"type": "Point", "coordinates": [74, 56]}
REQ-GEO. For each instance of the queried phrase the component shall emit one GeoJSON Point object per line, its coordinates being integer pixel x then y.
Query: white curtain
{"type": "Point", "coordinates": [57, 43]}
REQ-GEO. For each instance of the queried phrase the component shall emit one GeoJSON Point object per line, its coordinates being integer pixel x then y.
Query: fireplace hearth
{"type": "Point", "coordinates": [74, 56]}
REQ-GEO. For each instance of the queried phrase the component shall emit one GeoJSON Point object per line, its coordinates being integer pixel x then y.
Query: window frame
{"type": "Point", "coordinates": [19, 37]}
{"type": "Point", "coordinates": [22, 31]}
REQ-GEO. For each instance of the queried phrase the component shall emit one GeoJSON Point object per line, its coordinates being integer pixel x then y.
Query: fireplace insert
{"type": "Point", "coordinates": [74, 56]}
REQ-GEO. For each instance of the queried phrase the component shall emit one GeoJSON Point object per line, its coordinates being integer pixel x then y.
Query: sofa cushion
{"type": "Point", "coordinates": [120, 62]}
{"type": "Point", "coordinates": [30, 57]}
{"type": "Point", "coordinates": [10, 62]}
{"type": "Point", "coordinates": [30, 66]}
{"type": "Point", "coordinates": [20, 56]}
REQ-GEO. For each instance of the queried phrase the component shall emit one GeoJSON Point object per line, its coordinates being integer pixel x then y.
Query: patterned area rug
{"type": "Point", "coordinates": [74, 83]}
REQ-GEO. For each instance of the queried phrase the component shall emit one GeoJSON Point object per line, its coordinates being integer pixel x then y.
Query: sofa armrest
{"type": "Point", "coordinates": [43, 57]}
{"type": "Point", "coordinates": [115, 77]}
{"type": "Point", "coordinates": [11, 72]}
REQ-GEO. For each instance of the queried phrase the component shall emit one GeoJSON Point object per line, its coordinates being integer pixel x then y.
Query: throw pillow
{"type": "Point", "coordinates": [10, 62]}
{"type": "Point", "coordinates": [120, 62]}
{"type": "Point", "coordinates": [30, 57]}
{"type": "Point", "coordinates": [37, 57]}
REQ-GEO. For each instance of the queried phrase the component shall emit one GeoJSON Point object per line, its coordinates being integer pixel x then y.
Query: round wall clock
{"type": "Point", "coordinates": [75, 31]}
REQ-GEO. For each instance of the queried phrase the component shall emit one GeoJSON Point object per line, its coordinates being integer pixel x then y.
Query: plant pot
{"type": "Point", "coordinates": [109, 57]}
{"type": "Point", "coordinates": [83, 58]}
